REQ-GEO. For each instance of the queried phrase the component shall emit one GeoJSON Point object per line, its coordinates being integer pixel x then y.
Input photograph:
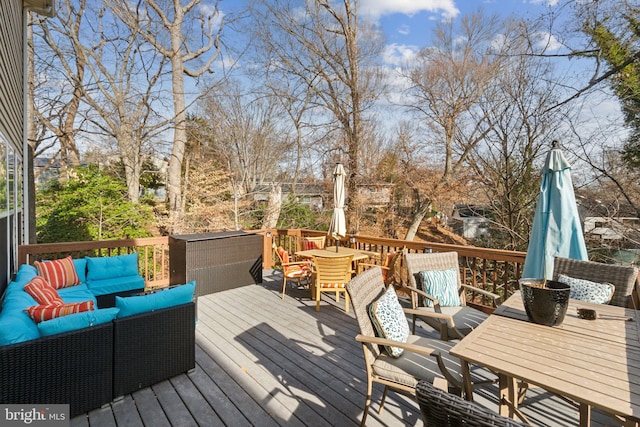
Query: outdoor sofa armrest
{"type": "Point", "coordinates": [497, 300]}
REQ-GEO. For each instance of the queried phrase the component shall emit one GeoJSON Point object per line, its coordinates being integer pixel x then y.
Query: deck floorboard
{"type": "Point", "coordinates": [266, 361]}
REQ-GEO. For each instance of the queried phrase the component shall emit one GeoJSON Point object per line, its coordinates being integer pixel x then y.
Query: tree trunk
{"type": "Point", "coordinates": [421, 212]}
{"type": "Point", "coordinates": [273, 209]}
{"type": "Point", "coordinates": [174, 179]}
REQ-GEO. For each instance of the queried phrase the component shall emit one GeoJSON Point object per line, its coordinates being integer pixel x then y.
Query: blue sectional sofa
{"type": "Point", "coordinates": [129, 341]}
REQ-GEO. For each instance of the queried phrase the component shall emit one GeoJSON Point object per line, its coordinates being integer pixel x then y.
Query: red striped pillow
{"type": "Point", "coordinates": [43, 292]}
{"type": "Point", "coordinates": [60, 273]}
{"type": "Point", "coordinates": [40, 313]}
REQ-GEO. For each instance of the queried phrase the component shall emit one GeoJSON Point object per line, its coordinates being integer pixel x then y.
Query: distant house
{"type": "Point", "coordinates": [608, 221]}
{"type": "Point", "coordinates": [470, 221]}
{"type": "Point", "coordinates": [320, 195]}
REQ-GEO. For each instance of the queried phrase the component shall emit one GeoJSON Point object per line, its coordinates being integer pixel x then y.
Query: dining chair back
{"type": "Point", "coordinates": [442, 409]}
{"type": "Point", "coordinates": [313, 242]}
{"type": "Point", "coordinates": [297, 271]}
{"type": "Point", "coordinates": [623, 277]}
{"type": "Point", "coordinates": [465, 318]}
{"type": "Point", "coordinates": [331, 274]}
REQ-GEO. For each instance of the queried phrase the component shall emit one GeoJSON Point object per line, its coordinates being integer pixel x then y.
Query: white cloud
{"type": "Point", "coordinates": [399, 54]}
{"type": "Point", "coordinates": [548, 3]}
{"type": "Point", "coordinates": [404, 30]}
{"type": "Point", "coordinates": [548, 42]}
{"type": "Point", "coordinates": [377, 8]}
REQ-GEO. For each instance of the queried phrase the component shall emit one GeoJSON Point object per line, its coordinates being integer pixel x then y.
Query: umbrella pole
{"type": "Point", "coordinates": [337, 245]}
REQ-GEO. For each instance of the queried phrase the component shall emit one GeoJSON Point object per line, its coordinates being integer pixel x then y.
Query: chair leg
{"type": "Point", "coordinates": [413, 328]}
{"type": "Point", "coordinates": [384, 398]}
{"type": "Point", "coordinates": [346, 302]}
{"type": "Point", "coordinates": [337, 296]}
{"type": "Point", "coordinates": [367, 403]}
{"type": "Point", "coordinates": [284, 284]}
{"type": "Point", "coordinates": [317, 298]}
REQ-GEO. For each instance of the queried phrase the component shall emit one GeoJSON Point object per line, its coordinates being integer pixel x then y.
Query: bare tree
{"type": "Point", "coordinates": [60, 85]}
{"type": "Point", "coordinates": [325, 47]}
{"type": "Point", "coordinates": [447, 81]}
{"type": "Point", "coordinates": [169, 28]}
{"type": "Point", "coordinates": [518, 129]}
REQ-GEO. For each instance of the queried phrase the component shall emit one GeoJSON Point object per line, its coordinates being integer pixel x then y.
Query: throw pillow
{"type": "Point", "coordinates": [40, 313]}
{"type": "Point", "coordinates": [76, 321]}
{"type": "Point", "coordinates": [41, 291]}
{"type": "Point", "coordinates": [60, 273]}
{"type": "Point", "coordinates": [588, 291]}
{"type": "Point", "coordinates": [155, 301]}
{"type": "Point", "coordinates": [442, 285]}
{"type": "Point", "coordinates": [389, 320]}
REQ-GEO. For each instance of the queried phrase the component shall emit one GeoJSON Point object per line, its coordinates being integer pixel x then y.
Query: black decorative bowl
{"type": "Point", "coordinates": [545, 306]}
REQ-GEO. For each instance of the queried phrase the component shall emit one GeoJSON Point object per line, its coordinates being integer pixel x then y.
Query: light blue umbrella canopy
{"type": "Point", "coordinates": [338, 225]}
{"type": "Point", "coordinates": [556, 225]}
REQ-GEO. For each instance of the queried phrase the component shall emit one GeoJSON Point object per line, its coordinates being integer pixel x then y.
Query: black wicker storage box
{"type": "Point", "coordinates": [216, 261]}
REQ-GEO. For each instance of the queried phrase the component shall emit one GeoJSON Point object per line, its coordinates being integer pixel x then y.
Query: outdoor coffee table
{"type": "Point", "coordinates": [595, 363]}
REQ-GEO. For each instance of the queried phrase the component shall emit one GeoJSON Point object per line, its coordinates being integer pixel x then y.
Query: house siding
{"type": "Point", "coordinates": [11, 134]}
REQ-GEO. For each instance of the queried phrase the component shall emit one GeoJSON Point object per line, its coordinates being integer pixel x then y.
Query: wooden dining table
{"type": "Point", "coordinates": [330, 252]}
{"type": "Point", "coordinates": [595, 363]}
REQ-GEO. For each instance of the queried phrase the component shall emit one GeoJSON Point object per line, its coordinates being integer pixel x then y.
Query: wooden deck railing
{"type": "Point", "coordinates": [495, 270]}
{"type": "Point", "coordinates": [153, 254]}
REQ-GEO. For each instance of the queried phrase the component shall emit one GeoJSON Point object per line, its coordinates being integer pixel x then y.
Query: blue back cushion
{"type": "Point", "coordinates": [161, 299]}
{"type": "Point", "coordinates": [108, 267]}
{"type": "Point", "coordinates": [77, 321]}
{"type": "Point", "coordinates": [81, 268]}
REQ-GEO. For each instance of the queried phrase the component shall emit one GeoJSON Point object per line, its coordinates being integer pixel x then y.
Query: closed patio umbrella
{"type": "Point", "coordinates": [338, 225]}
{"type": "Point", "coordinates": [556, 224]}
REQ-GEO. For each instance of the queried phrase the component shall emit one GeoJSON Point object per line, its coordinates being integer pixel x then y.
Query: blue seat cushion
{"type": "Point", "coordinates": [115, 284]}
{"type": "Point", "coordinates": [157, 300]}
{"type": "Point", "coordinates": [76, 321]}
{"type": "Point", "coordinates": [108, 267]}
{"type": "Point", "coordinates": [15, 324]}
{"type": "Point", "coordinates": [78, 293]}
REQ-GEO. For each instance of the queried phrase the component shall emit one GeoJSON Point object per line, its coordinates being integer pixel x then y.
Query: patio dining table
{"type": "Point", "coordinates": [595, 363]}
{"type": "Point", "coordinates": [330, 252]}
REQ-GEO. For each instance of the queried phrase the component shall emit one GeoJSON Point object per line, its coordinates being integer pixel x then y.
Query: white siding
{"type": "Point", "coordinates": [11, 73]}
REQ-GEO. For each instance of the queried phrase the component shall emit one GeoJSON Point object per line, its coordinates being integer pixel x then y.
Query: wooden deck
{"type": "Point", "coordinates": [264, 361]}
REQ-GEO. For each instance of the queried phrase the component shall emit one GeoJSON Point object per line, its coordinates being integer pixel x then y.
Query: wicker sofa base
{"type": "Point", "coordinates": [90, 367]}
{"type": "Point", "coordinates": [72, 368]}
{"type": "Point", "coordinates": [151, 347]}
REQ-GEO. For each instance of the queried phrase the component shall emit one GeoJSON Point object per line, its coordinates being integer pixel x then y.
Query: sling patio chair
{"type": "Point", "coordinates": [406, 358]}
{"type": "Point", "coordinates": [442, 409]}
{"type": "Point", "coordinates": [331, 274]}
{"type": "Point", "coordinates": [391, 270]}
{"type": "Point", "coordinates": [434, 280]}
{"type": "Point", "coordinates": [297, 271]}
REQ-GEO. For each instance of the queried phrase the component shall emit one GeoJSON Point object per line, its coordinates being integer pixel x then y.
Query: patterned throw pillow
{"type": "Point", "coordinates": [389, 320]}
{"type": "Point", "coordinates": [60, 273]}
{"type": "Point", "coordinates": [588, 291]}
{"type": "Point", "coordinates": [40, 313]}
{"type": "Point", "coordinates": [442, 285]}
{"type": "Point", "coordinates": [43, 292]}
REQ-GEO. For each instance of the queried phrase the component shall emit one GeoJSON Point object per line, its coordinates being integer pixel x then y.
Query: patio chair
{"type": "Point", "coordinates": [452, 303]}
{"type": "Point", "coordinates": [442, 409]}
{"type": "Point", "coordinates": [422, 359]}
{"type": "Point", "coordinates": [621, 276]}
{"type": "Point", "coordinates": [292, 270]}
{"type": "Point", "coordinates": [331, 274]}
{"type": "Point", "coordinates": [315, 242]}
